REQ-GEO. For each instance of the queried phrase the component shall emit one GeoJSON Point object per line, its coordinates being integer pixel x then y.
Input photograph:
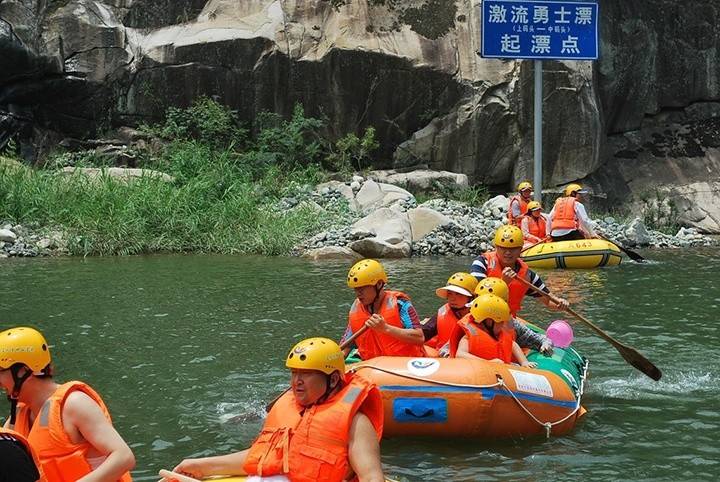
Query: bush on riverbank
{"type": "Point", "coordinates": [224, 198]}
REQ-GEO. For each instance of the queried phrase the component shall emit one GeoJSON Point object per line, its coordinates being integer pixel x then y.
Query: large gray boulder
{"type": "Point", "coordinates": [420, 179]}
{"type": "Point", "coordinates": [385, 224]}
{"type": "Point", "coordinates": [374, 195]}
{"type": "Point", "coordinates": [7, 236]}
{"type": "Point", "coordinates": [385, 233]}
{"type": "Point", "coordinates": [424, 220]}
{"type": "Point", "coordinates": [377, 248]}
{"type": "Point", "coordinates": [637, 234]}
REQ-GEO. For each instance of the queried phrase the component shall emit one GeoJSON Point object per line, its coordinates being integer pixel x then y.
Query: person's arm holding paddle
{"type": "Point", "coordinates": [584, 222]}
{"type": "Point", "coordinates": [413, 336]}
{"type": "Point", "coordinates": [554, 303]}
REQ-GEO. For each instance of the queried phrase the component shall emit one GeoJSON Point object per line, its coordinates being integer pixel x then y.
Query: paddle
{"type": "Point", "coordinates": [543, 240]}
{"type": "Point", "coordinates": [631, 355]}
{"type": "Point", "coordinates": [343, 345]}
{"type": "Point", "coordinates": [631, 254]}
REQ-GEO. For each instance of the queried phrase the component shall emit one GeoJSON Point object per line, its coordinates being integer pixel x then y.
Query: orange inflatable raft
{"type": "Point", "coordinates": [448, 397]}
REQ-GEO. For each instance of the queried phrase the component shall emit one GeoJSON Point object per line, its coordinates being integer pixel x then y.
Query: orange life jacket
{"type": "Point", "coordinates": [537, 226]}
{"type": "Point", "coordinates": [564, 216]}
{"type": "Point", "coordinates": [523, 210]}
{"type": "Point", "coordinates": [311, 444]}
{"type": "Point", "coordinates": [372, 344]}
{"type": "Point", "coordinates": [446, 321]}
{"type": "Point", "coordinates": [61, 460]}
{"type": "Point", "coordinates": [480, 343]}
{"type": "Point", "coordinates": [517, 288]}
{"type": "Point", "coordinates": [13, 435]}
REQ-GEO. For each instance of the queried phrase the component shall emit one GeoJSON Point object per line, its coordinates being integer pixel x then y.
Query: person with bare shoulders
{"type": "Point", "coordinates": [67, 425]}
{"type": "Point", "coordinates": [327, 428]}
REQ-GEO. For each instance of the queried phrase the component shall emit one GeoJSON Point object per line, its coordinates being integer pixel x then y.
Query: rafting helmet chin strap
{"type": "Point", "coordinates": [329, 389]}
{"type": "Point", "coordinates": [18, 381]}
{"type": "Point", "coordinates": [371, 308]}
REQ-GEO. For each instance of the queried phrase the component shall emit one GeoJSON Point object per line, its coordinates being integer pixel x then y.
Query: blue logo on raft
{"type": "Point", "coordinates": [421, 364]}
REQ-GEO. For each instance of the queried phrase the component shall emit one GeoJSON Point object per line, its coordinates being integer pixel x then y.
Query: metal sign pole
{"type": "Point", "coordinates": [537, 166]}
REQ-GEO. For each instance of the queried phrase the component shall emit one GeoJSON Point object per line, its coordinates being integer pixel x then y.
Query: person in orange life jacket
{"type": "Point", "coordinates": [68, 426]}
{"type": "Point", "coordinates": [519, 202]}
{"type": "Point", "coordinates": [524, 336]}
{"type": "Point", "coordinates": [327, 428]}
{"type": "Point", "coordinates": [458, 292]}
{"type": "Point", "coordinates": [505, 263]}
{"type": "Point", "coordinates": [534, 224]}
{"type": "Point", "coordinates": [487, 333]}
{"type": "Point", "coordinates": [394, 324]}
{"type": "Point", "coordinates": [568, 219]}
{"type": "Point", "coordinates": [17, 460]}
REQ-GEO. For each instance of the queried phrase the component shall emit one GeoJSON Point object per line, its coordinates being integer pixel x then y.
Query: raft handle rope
{"type": "Point", "coordinates": [500, 383]}
{"type": "Point", "coordinates": [421, 379]}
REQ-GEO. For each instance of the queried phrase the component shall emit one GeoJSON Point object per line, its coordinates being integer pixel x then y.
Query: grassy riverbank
{"type": "Point", "coordinates": [224, 198]}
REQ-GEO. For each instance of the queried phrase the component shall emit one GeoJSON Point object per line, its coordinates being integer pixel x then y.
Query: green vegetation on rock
{"type": "Point", "coordinates": [225, 197]}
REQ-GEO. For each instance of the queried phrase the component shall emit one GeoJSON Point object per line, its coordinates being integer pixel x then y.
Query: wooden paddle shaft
{"type": "Point", "coordinates": [353, 337]}
{"type": "Point", "coordinates": [555, 300]}
{"type": "Point", "coordinates": [629, 354]}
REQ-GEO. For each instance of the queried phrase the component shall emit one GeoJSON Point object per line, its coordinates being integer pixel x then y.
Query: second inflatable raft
{"type": "Point", "coordinates": [583, 253]}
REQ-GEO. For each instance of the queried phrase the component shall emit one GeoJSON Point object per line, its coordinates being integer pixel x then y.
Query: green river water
{"type": "Point", "coordinates": [186, 350]}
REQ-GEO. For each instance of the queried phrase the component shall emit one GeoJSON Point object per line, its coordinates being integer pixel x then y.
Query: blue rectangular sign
{"type": "Point", "coordinates": [516, 29]}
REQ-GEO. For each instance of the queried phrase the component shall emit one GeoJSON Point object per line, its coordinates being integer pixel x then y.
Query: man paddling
{"type": "Point", "coordinates": [326, 429]}
{"type": "Point", "coordinates": [394, 324]}
{"type": "Point", "coordinates": [568, 219]}
{"type": "Point", "coordinates": [68, 425]}
{"type": "Point", "coordinates": [505, 263]}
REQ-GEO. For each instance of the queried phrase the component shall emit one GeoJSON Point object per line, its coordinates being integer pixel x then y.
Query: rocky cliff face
{"type": "Point", "coordinates": [640, 122]}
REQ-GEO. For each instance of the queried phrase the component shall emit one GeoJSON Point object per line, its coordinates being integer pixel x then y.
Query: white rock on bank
{"type": "Point", "coordinates": [331, 252]}
{"type": "Point", "coordinates": [7, 236]}
{"type": "Point", "coordinates": [376, 248]}
{"type": "Point", "coordinates": [386, 225]}
{"type": "Point", "coordinates": [498, 204]}
{"type": "Point", "coordinates": [637, 234]}
{"type": "Point", "coordinates": [373, 195]}
{"type": "Point", "coordinates": [424, 220]}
